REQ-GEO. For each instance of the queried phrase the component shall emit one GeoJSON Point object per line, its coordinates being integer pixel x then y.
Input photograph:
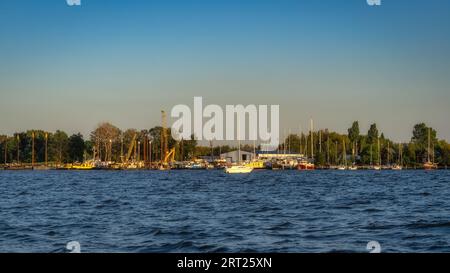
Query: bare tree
{"type": "Point", "coordinates": [104, 136]}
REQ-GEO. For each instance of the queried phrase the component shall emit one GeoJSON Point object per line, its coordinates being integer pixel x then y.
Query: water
{"type": "Point", "coordinates": [209, 211]}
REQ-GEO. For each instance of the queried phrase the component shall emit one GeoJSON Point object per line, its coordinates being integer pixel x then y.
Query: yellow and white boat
{"type": "Point", "coordinates": [238, 169]}
{"type": "Point", "coordinates": [84, 167]}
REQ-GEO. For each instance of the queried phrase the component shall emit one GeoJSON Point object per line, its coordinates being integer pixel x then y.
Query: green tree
{"type": "Point", "coordinates": [353, 132]}
{"type": "Point", "coordinates": [76, 148]}
{"type": "Point", "coordinates": [410, 158]}
{"type": "Point", "coordinates": [4, 148]}
{"type": "Point", "coordinates": [59, 143]}
{"type": "Point", "coordinates": [443, 153]}
{"type": "Point", "coordinates": [372, 134]}
{"type": "Point", "coordinates": [420, 139]}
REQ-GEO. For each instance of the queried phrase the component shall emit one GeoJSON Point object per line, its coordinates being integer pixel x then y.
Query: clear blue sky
{"type": "Point", "coordinates": [123, 61]}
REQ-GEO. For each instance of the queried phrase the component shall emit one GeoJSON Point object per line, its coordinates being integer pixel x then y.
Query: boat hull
{"type": "Point", "coordinates": [306, 166]}
{"type": "Point", "coordinates": [238, 170]}
{"type": "Point", "coordinates": [430, 166]}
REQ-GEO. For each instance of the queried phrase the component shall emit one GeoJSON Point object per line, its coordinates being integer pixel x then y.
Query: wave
{"type": "Point", "coordinates": [433, 224]}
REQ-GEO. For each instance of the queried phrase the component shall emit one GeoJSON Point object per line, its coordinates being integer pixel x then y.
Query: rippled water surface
{"type": "Point", "coordinates": [209, 211]}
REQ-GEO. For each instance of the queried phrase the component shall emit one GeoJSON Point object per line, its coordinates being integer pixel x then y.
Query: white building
{"type": "Point", "coordinates": [233, 157]}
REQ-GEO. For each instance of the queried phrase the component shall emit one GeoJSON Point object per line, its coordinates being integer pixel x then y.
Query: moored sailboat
{"type": "Point", "coordinates": [429, 165]}
{"type": "Point", "coordinates": [304, 163]}
{"type": "Point", "coordinates": [343, 167]}
{"type": "Point", "coordinates": [399, 165]}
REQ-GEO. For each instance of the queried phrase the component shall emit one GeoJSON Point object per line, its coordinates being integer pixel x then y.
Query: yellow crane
{"type": "Point", "coordinates": [170, 157]}
{"type": "Point", "coordinates": [164, 143]}
{"type": "Point", "coordinates": [165, 154]}
{"type": "Point", "coordinates": [131, 148]}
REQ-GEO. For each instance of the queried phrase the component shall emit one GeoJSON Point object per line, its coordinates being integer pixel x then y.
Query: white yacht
{"type": "Point", "coordinates": [238, 169]}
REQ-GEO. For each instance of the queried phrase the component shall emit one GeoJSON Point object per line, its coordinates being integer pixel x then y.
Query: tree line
{"type": "Point", "coordinates": [108, 143]}
{"type": "Point", "coordinates": [331, 148]}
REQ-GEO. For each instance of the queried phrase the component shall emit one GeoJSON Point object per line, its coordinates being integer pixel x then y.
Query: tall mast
{"type": "Point", "coordinates": [254, 149]}
{"type": "Point", "coordinates": [164, 144]}
{"type": "Point", "coordinates": [388, 153]}
{"type": "Point", "coordinates": [6, 148]}
{"type": "Point", "coordinates": [139, 151]}
{"type": "Point", "coordinates": [46, 149]}
{"type": "Point", "coordinates": [320, 141]}
{"type": "Point", "coordinates": [429, 144]}
{"type": "Point", "coordinates": [306, 146]}
{"type": "Point", "coordinates": [344, 153]}
{"type": "Point", "coordinates": [150, 151]}
{"type": "Point", "coordinates": [354, 151]}
{"type": "Point", "coordinates": [239, 141]}
{"type": "Point", "coordinates": [312, 139]}
{"type": "Point", "coordinates": [379, 152]}
{"type": "Point", "coordinates": [144, 153]}
{"type": "Point", "coordinates": [289, 141]}
{"type": "Point", "coordinates": [121, 149]}
{"type": "Point", "coordinates": [371, 154]}
{"type": "Point", "coordinates": [32, 149]}
{"type": "Point", "coordinates": [328, 150]}
{"type": "Point", "coordinates": [110, 150]}
{"type": "Point", "coordinates": [300, 140]}
{"type": "Point", "coordinates": [18, 149]}
{"type": "Point", "coordinates": [336, 152]}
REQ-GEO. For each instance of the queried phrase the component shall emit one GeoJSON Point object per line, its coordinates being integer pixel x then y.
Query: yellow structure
{"type": "Point", "coordinates": [84, 166]}
{"type": "Point", "coordinates": [256, 164]}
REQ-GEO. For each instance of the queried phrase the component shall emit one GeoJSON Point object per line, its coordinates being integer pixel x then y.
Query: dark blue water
{"type": "Point", "coordinates": [209, 211]}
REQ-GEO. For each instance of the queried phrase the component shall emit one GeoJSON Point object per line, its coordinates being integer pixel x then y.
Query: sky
{"type": "Point", "coordinates": [123, 61]}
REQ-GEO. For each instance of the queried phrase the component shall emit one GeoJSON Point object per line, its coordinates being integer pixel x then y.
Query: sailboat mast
{"type": "Point", "coordinates": [335, 152]}
{"type": "Point", "coordinates": [32, 149]}
{"type": "Point", "coordinates": [300, 140]}
{"type": "Point", "coordinates": [320, 141]}
{"type": "Point", "coordinates": [388, 154]}
{"type": "Point", "coordinates": [18, 149]}
{"type": "Point", "coordinates": [254, 149]}
{"type": "Point", "coordinates": [312, 139]}
{"type": "Point", "coordinates": [5, 149]}
{"type": "Point", "coordinates": [328, 149]}
{"type": "Point", "coordinates": [306, 145]}
{"type": "Point", "coordinates": [429, 144]}
{"type": "Point", "coordinates": [371, 154]}
{"type": "Point", "coordinates": [379, 152]}
{"type": "Point", "coordinates": [239, 141]}
{"type": "Point", "coordinates": [289, 137]}
{"type": "Point", "coordinates": [344, 153]}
